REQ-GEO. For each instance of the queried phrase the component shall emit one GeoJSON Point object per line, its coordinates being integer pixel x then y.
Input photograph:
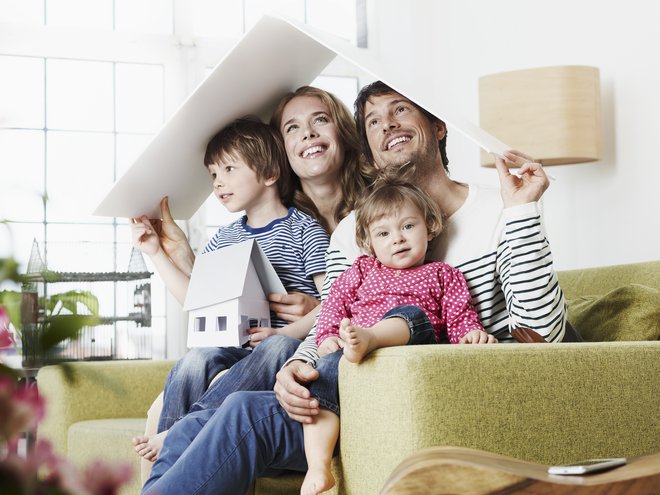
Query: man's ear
{"type": "Point", "coordinates": [441, 130]}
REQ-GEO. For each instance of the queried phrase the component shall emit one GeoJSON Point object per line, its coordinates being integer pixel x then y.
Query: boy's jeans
{"type": "Point", "coordinates": [186, 385]}
{"type": "Point", "coordinates": [220, 452]}
{"type": "Point", "coordinates": [326, 388]}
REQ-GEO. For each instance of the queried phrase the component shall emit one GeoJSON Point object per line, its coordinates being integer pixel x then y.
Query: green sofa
{"type": "Point", "coordinates": [538, 402]}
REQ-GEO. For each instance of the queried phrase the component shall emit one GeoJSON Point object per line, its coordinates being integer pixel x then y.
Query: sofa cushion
{"type": "Point", "coordinates": [109, 440]}
{"type": "Point", "coordinates": [630, 312]}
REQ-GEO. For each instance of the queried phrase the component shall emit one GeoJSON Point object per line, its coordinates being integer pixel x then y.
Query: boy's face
{"type": "Point", "coordinates": [236, 185]}
{"type": "Point", "coordinates": [400, 240]}
{"type": "Point", "coordinates": [311, 139]}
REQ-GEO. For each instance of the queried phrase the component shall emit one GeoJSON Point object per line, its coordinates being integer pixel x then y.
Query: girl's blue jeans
{"type": "Point", "coordinates": [326, 388]}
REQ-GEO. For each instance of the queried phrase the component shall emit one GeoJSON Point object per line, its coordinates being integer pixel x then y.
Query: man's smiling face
{"type": "Point", "coordinates": [398, 132]}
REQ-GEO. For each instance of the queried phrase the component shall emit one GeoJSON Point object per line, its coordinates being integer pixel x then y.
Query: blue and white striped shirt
{"type": "Point", "coordinates": [295, 245]}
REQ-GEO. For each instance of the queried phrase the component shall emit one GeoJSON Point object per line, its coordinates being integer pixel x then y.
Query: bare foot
{"type": "Point", "coordinates": [357, 341]}
{"type": "Point", "coordinates": [149, 447]}
{"type": "Point", "coordinates": [317, 480]}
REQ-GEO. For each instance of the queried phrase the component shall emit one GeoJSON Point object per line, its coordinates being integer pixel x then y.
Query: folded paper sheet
{"type": "Point", "coordinates": [276, 56]}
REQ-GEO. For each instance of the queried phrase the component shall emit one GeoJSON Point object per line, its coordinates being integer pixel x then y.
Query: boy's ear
{"type": "Point", "coordinates": [271, 180]}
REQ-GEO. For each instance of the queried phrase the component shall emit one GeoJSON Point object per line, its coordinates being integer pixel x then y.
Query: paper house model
{"type": "Point", "coordinates": [276, 56]}
{"type": "Point", "coordinates": [227, 295]}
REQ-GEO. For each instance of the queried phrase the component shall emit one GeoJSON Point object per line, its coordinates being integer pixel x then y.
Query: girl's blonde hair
{"type": "Point", "coordinates": [387, 197]}
{"type": "Point", "coordinates": [355, 174]}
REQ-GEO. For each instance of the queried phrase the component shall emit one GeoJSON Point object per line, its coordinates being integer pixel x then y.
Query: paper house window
{"type": "Point", "coordinates": [221, 323]}
{"type": "Point", "coordinates": [200, 324]}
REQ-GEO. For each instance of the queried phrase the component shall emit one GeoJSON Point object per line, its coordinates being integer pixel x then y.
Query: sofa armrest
{"type": "Point", "coordinates": [97, 390]}
{"type": "Point", "coordinates": [536, 402]}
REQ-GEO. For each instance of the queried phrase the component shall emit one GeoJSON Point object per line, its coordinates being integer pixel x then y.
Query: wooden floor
{"type": "Point", "coordinates": [460, 471]}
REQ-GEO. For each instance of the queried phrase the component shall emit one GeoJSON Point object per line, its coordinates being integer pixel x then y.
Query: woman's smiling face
{"type": "Point", "coordinates": [311, 139]}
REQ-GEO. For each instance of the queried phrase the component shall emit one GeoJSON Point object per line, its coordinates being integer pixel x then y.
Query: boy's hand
{"type": "Point", "coordinates": [330, 345]}
{"type": "Point", "coordinates": [258, 334]}
{"type": "Point", "coordinates": [293, 306]}
{"type": "Point", "coordinates": [172, 239]}
{"type": "Point", "coordinates": [477, 337]}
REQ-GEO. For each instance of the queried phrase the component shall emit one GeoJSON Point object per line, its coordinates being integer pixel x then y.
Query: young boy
{"type": "Point", "coordinates": [250, 172]}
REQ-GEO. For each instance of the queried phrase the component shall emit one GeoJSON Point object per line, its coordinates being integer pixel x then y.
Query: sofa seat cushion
{"type": "Point", "coordinates": [108, 440]}
{"type": "Point", "coordinates": [630, 312]}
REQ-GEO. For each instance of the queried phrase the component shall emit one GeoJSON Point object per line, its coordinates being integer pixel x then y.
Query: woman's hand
{"type": "Point", "coordinates": [258, 334]}
{"type": "Point", "coordinates": [144, 236]}
{"type": "Point", "coordinates": [293, 306]}
{"type": "Point", "coordinates": [330, 345]}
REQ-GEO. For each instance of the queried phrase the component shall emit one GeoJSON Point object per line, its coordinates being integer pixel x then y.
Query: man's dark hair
{"type": "Point", "coordinates": [379, 88]}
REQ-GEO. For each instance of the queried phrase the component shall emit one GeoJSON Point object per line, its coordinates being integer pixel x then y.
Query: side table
{"type": "Point", "coordinates": [462, 471]}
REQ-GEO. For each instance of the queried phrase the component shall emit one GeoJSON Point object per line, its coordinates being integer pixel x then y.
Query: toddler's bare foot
{"type": "Point", "coordinates": [317, 480]}
{"type": "Point", "coordinates": [357, 341]}
{"type": "Point", "coordinates": [149, 447]}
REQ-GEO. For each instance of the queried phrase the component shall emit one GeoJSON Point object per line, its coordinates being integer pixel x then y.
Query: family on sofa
{"type": "Point", "coordinates": [219, 439]}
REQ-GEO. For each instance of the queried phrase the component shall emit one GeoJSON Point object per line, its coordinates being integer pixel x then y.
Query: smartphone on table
{"type": "Point", "coordinates": [587, 466]}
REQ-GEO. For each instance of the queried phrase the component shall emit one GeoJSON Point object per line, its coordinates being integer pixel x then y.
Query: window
{"type": "Point", "coordinates": [85, 87]}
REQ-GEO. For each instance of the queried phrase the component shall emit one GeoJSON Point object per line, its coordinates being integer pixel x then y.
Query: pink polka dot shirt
{"type": "Point", "coordinates": [369, 289]}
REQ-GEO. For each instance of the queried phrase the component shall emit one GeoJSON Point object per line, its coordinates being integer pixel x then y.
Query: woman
{"type": "Point", "coordinates": [322, 146]}
{"type": "Point", "coordinates": [324, 152]}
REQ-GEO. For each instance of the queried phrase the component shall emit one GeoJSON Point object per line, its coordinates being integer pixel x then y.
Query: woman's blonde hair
{"type": "Point", "coordinates": [355, 174]}
{"type": "Point", "coordinates": [387, 197]}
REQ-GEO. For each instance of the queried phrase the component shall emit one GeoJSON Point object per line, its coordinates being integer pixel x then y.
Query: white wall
{"type": "Point", "coordinates": [600, 213]}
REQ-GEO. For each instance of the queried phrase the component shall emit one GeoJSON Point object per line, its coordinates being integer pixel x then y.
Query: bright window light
{"type": "Point", "coordinates": [80, 164]}
{"type": "Point", "coordinates": [139, 93]}
{"type": "Point", "coordinates": [79, 95]}
{"type": "Point", "coordinates": [344, 88]}
{"type": "Point", "coordinates": [217, 19]}
{"type": "Point", "coordinates": [22, 184]}
{"type": "Point", "coordinates": [96, 14]}
{"type": "Point", "coordinates": [255, 9]}
{"type": "Point", "coordinates": [144, 16]}
{"type": "Point", "coordinates": [22, 11]}
{"type": "Point", "coordinates": [80, 248]}
{"type": "Point", "coordinates": [22, 94]}
{"type": "Point", "coordinates": [336, 17]}
{"type": "Point", "coordinates": [129, 148]}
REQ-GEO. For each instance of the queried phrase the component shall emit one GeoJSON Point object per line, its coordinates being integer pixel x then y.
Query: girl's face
{"type": "Point", "coordinates": [313, 145]}
{"type": "Point", "coordinates": [399, 240]}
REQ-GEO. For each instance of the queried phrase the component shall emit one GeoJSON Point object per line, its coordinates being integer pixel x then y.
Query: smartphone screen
{"type": "Point", "coordinates": [587, 466]}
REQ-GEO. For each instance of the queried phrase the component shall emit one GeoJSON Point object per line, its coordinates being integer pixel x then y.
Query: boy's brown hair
{"type": "Point", "coordinates": [259, 146]}
{"type": "Point", "coordinates": [386, 198]}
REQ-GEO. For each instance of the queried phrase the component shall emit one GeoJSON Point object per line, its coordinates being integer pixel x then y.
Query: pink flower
{"type": "Point", "coordinates": [5, 335]}
{"type": "Point", "coordinates": [21, 407]}
{"type": "Point", "coordinates": [106, 479]}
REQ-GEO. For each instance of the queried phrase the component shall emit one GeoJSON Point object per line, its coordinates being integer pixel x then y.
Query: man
{"type": "Point", "coordinates": [502, 251]}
